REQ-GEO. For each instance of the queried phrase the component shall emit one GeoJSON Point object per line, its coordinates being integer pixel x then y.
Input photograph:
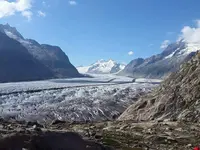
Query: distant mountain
{"type": "Point", "coordinates": [161, 65]}
{"type": "Point", "coordinates": [102, 67]}
{"type": "Point", "coordinates": [52, 57]}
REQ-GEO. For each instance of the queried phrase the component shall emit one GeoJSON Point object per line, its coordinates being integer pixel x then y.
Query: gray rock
{"type": "Point", "coordinates": [177, 98]}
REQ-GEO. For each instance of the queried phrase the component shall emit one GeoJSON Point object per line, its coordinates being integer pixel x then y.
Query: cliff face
{"type": "Point", "coordinates": [16, 64]}
{"type": "Point", "coordinates": [58, 62]}
{"type": "Point", "coordinates": [178, 97]}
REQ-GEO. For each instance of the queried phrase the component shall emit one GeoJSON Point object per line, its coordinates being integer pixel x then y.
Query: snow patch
{"type": "Point", "coordinates": [15, 37]}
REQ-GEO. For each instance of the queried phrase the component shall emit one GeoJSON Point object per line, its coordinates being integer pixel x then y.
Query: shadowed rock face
{"type": "Point", "coordinates": [25, 59]}
{"type": "Point", "coordinates": [47, 141]}
{"type": "Point", "coordinates": [16, 64]}
{"type": "Point", "coordinates": [59, 62]}
{"type": "Point", "coordinates": [177, 98]}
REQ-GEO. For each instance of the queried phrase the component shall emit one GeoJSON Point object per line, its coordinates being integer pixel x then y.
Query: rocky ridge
{"type": "Point", "coordinates": [17, 64]}
{"type": "Point", "coordinates": [163, 64]}
{"type": "Point", "coordinates": [177, 98]}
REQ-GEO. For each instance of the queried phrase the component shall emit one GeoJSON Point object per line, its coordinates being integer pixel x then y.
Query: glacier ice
{"type": "Point", "coordinates": [68, 101]}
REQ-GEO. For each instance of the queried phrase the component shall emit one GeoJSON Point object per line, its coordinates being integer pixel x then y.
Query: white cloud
{"type": "Point", "coordinates": [41, 14]}
{"type": "Point", "coordinates": [165, 44]}
{"type": "Point", "coordinates": [27, 14]}
{"type": "Point", "coordinates": [130, 53]}
{"type": "Point", "coordinates": [191, 34]}
{"type": "Point", "coordinates": [23, 5]}
{"type": "Point", "coordinates": [72, 2]}
{"type": "Point", "coordinates": [150, 45]}
{"type": "Point", "coordinates": [8, 8]}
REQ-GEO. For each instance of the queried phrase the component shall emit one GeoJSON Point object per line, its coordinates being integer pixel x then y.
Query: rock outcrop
{"type": "Point", "coordinates": [177, 98]}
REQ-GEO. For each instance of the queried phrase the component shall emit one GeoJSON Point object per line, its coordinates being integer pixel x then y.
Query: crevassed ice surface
{"type": "Point", "coordinates": [73, 102]}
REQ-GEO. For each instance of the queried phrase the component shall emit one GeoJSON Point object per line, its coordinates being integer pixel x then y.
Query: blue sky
{"type": "Point", "coordinates": [89, 30]}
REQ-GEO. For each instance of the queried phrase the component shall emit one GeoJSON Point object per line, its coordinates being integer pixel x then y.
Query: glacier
{"type": "Point", "coordinates": [77, 99]}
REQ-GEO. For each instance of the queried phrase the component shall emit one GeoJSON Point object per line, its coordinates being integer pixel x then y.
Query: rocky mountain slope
{"type": "Point", "coordinates": [161, 65]}
{"type": "Point", "coordinates": [58, 62]}
{"type": "Point", "coordinates": [50, 56]}
{"type": "Point", "coordinates": [102, 67]}
{"type": "Point", "coordinates": [16, 64]}
{"type": "Point", "coordinates": [177, 98]}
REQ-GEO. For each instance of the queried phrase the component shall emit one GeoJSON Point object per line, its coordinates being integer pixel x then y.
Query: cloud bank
{"type": "Point", "coordinates": [191, 34]}
{"type": "Point", "coordinates": [8, 8]}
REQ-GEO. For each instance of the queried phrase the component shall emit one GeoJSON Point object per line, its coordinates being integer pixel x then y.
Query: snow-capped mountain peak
{"type": "Point", "coordinates": [10, 31]}
{"type": "Point", "coordinates": [14, 36]}
{"type": "Point", "coordinates": [191, 47]}
{"type": "Point", "coordinates": [102, 67]}
{"type": "Point", "coordinates": [100, 61]}
{"type": "Point", "coordinates": [161, 65]}
{"type": "Point", "coordinates": [32, 46]}
{"type": "Point", "coordinates": [184, 49]}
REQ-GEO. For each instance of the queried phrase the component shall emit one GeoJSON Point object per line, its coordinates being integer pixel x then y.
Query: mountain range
{"type": "Point", "coordinates": [156, 66]}
{"type": "Point", "coordinates": [25, 59]}
{"type": "Point", "coordinates": [102, 67]}
{"type": "Point", "coordinates": [161, 65]}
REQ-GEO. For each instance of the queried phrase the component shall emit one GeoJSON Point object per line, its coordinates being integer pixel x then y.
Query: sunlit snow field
{"type": "Point", "coordinates": [80, 99]}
